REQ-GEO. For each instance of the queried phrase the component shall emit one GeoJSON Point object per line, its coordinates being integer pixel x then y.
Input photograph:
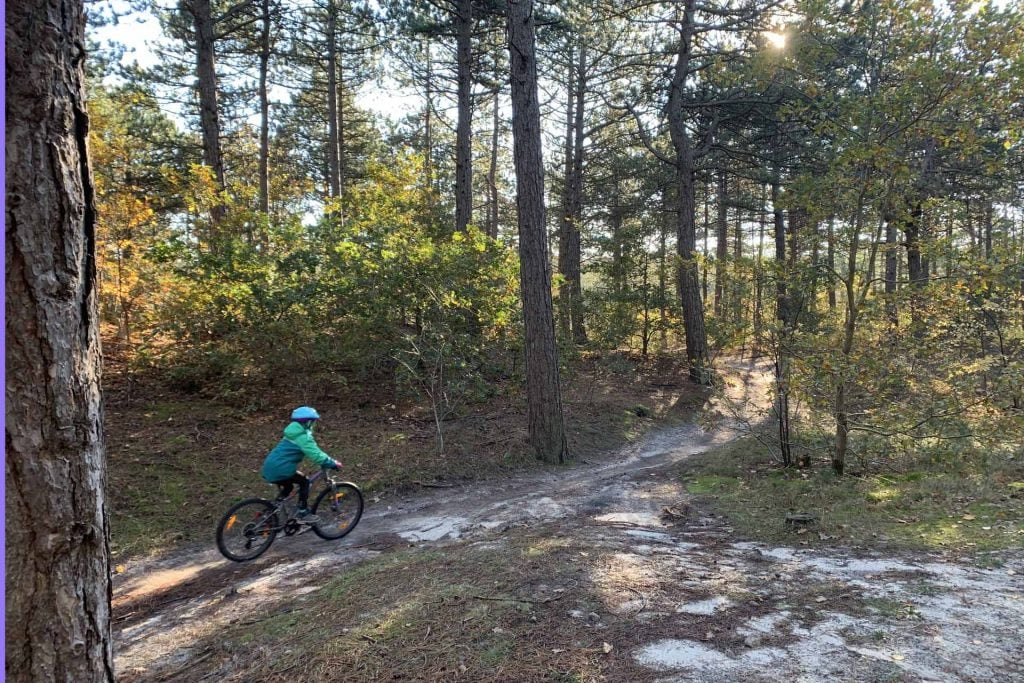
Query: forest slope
{"type": "Point", "coordinates": [605, 571]}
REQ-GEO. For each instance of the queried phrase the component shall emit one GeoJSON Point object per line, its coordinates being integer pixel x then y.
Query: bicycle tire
{"type": "Point", "coordinates": [342, 511]}
{"type": "Point", "coordinates": [247, 529]}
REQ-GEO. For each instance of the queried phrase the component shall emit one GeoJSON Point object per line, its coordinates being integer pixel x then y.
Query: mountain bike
{"type": "Point", "coordinates": [249, 527]}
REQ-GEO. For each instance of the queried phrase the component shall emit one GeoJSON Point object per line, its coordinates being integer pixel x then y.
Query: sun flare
{"type": "Point", "coordinates": [777, 40]}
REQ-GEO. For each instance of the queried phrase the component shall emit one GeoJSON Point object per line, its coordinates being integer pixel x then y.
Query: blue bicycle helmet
{"type": "Point", "coordinates": [305, 413]}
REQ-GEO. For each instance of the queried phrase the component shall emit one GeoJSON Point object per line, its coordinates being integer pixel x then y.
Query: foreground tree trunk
{"type": "Point", "coordinates": [543, 394]}
{"type": "Point", "coordinates": [58, 582]}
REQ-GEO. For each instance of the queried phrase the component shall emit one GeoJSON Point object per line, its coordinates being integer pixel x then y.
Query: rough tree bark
{"type": "Point", "coordinates": [463, 130]}
{"type": "Point", "coordinates": [264, 170]}
{"type": "Point", "coordinates": [543, 394]}
{"type": "Point", "coordinates": [58, 582]}
{"type": "Point", "coordinates": [917, 270]}
{"type": "Point", "coordinates": [206, 77]}
{"type": "Point", "coordinates": [333, 159]}
{"type": "Point", "coordinates": [342, 128]}
{"type": "Point", "coordinates": [428, 130]}
{"type": "Point", "coordinates": [697, 352]}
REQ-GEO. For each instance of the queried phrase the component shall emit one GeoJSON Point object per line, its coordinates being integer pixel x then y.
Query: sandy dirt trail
{"type": "Point", "coordinates": [780, 613]}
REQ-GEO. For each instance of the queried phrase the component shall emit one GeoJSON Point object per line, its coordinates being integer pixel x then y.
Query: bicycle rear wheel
{"type": "Point", "coordinates": [339, 508]}
{"type": "Point", "coordinates": [247, 529]}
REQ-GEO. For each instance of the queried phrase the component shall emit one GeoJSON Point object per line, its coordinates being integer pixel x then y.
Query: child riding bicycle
{"type": "Point", "coordinates": [281, 464]}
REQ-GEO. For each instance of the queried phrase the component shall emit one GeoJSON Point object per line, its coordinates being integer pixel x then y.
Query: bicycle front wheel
{"type": "Point", "coordinates": [339, 508]}
{"type": "Point", "coordinates": [247, 529]}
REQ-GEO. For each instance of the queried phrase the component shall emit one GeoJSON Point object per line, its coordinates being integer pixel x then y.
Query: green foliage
{"type": "Point", "coordinates": [268, 299]}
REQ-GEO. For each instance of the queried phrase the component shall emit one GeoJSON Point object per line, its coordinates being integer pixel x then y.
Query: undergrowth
{"type": "Point", "coordinates": [969, 504]}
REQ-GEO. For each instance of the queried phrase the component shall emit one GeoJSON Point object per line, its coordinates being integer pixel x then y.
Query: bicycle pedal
{"type": "Point", "coordinates": [303, 529]}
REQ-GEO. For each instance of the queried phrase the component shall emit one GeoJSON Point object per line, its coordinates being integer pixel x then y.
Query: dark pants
{"type": "Point", "coordinates": [285, 488]}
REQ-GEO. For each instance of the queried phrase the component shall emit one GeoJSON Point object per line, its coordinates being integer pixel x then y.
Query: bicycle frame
{"type": "Point", "coordinates": [322, 474]}
{"type": "Point", "coordinates": [287, 507]}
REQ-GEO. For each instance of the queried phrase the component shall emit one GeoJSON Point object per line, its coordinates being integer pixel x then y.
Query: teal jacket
{"type": "Point", "coordinates": [298, 443]}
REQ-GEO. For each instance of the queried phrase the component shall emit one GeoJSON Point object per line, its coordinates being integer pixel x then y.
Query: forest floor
{"type": "Point", "coordinates": [177, 460]}
{"type": "Point", "coordinates": [609, 570]}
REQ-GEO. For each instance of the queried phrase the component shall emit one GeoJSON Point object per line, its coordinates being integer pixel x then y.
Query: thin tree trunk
{"type": "Point", "coordinates": [57, 547]}
{"type": "Point", "coordinates": [645, 327]}
{"type": "Point", "coordinates": [815, 235]}
{"type": "Point", "coordinates": [575, 265]}
{"type": "Point", "coordinates": [784, 313]}
{"type": "Point", "coordinates": [781, 297]}
{"type": "Point", "coordinates": [916, 266]}
{"type": "Point", "coordinates": [615, 219]}
{"type": "Point", "coordinates": [926, 236]}
{"type": "Point", "coordinates": [759, 275]}
{"type": "Point", "coordinates": [737, 245]}
{"type": "Point", "coordinates": [949, 244]}
{"type": "Point", "coordinates": [543, 400]}
{"type": "Point", "coordinates": [891, 260]}
{"type": "Point", "coordinates": [735, 298]}
{"type": "Point", "coordinates": [565, 224]}
{"type": "Point", "coordinates": [342, 128]}
{"type": "Point", "coordinates": [492, 172]}
{"type": "Point", "coordinates": [969, 225]}
{"type": "Point", "coordinates": [463, 131]}
{"type": "Point", "coordinates": [849, 327]}
{"type": "Point", "coordinates": [663, 267]}
{"type": "Point", "coordinates": [333, 160]}
{"type": "Point", "coordinates": [428, 132]}
{"type": "Point", "coordinates": [722, 245]}
{"type": "Point", "coordinates": [706, 253]}
{"type": "Point", "coordinates": [988, 230]}
{"type": "Point", "coordinates": [853, 304]}
{"type": "Point", "coordinates": [830, 259]}
{"type": "Point", "coordinates": [264, 169]}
